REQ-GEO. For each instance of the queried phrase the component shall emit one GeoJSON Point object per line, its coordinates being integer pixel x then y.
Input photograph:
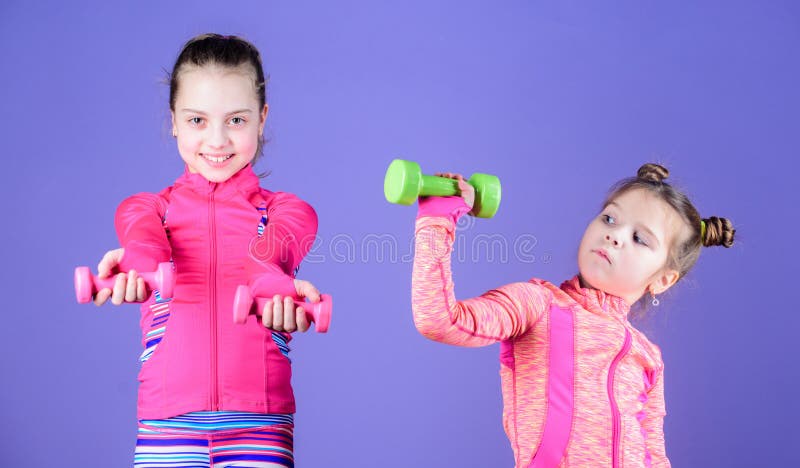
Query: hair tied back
{"type": "Point", "coordinates": [717, 232]}
{"type": "Point", "coordinates": [651, 172]}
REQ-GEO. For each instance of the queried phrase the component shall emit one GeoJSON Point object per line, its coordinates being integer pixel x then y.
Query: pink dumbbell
{"type": "Point", "coordinates": [317, 312]}
{"type": "Point", "coordinates": [87, 285]}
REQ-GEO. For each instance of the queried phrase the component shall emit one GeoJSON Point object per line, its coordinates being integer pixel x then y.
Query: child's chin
{"type": "Point", "coordinates": [216, 178]}
{"type": "Point", "coordinates": [590, 279]}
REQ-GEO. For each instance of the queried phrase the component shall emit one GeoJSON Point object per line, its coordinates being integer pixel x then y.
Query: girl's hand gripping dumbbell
{"type": "Point", "coordinates": [131, 288]}
{"type": "Point", "coordinates": [291, 311]}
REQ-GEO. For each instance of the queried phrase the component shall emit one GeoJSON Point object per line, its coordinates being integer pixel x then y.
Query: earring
{"type": "Point", "coordinates": [655, 302]}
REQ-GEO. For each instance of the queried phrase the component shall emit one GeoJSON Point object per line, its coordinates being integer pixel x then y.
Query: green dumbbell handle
{"type": "Point", "coordinates": [435, 186]}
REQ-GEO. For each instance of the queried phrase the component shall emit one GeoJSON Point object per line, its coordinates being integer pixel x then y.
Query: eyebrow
{"type": "Point", "coordinates": [643, 227]}
{"type": "Point", "coordinates": [240, 111]}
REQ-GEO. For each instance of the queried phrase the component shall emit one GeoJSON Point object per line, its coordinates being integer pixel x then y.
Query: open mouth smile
{"type": "Point", "coordinates": [216, 158]}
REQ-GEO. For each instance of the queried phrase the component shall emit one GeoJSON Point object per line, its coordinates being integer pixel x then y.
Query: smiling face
{"type": "Point", "coordinates": [624, 250]}
{"type": "Point", "coordinates": [217, 120]}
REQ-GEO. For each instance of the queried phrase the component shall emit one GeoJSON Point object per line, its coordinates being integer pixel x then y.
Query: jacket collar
{"type": "Point", "coordinates": [245, 181]}
{"type": "Point", "coordinates": [595, 300]}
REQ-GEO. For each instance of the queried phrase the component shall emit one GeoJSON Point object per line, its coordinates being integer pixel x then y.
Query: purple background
{"type": "Point", "coordinates": [559, 99]}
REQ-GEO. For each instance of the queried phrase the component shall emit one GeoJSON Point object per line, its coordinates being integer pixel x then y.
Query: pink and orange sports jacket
{"type": "Point", "coordinates": [581, 386]}
{"type": "Point", "coordinates": [218, 236]}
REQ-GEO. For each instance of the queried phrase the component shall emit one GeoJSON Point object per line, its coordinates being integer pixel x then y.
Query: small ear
{"type": "Point", "coordinates": [174, 127]}
{"type": "Point", "coordinates": [663, 281]}
{"type": "Point", "coordinates": [263, 116]}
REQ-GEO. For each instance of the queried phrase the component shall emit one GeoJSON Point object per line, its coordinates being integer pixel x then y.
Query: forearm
{"type": "Point", "coordinates": [436, 311]}
{"type": "Point", "coordinates": [140, 230]}
{"type": "Point", "coordinates": [495, 316]}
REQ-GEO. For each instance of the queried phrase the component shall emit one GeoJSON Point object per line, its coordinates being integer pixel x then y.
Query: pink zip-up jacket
{"type": "Point", "coordinates": [218, 236]}
{"type": "Point", "coordinates": [581, 386]}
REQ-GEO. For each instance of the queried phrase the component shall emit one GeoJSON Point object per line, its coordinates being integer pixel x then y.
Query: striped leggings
{"type": "Point", "coordinates": [167, 446]}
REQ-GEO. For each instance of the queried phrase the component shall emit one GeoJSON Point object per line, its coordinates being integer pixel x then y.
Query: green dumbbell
{"type": "Point", "coordinates": [404, 183]}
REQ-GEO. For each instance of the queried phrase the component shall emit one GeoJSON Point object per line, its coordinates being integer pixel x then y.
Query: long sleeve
{"type": "Point", "coordinates": [289, 233]}
{"type": "Point", "coordinates": [270, 280]}
{"type": "Point", "coordinates": [138, 222]}
{"type": "Point", "coordinates": [497, 315]}
{"type": "Point", "coordinates": [653, 423]}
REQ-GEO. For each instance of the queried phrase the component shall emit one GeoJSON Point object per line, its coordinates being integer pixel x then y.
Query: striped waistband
{"type": "Point", "coordinates": [209, 421]}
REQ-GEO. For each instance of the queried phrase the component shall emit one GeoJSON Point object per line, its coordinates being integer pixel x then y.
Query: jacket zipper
{"type": "Point", "coordinates": [614, 407]}
{"type": "Point", "coordinates": [213, 299]}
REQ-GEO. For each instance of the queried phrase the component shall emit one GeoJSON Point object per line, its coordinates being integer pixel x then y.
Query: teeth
{"type": "Point", "coordinates": [217, 160]}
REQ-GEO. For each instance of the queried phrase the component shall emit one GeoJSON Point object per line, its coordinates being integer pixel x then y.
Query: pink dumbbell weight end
{"type": "Point", "coordinates": [87, 285]}
{"type": "Point", "coordinates": [317, 312]}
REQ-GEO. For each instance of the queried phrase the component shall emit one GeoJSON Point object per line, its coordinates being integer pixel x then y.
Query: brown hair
{"type": "Point", "coordinates": [226, 51]}
{"type": "Point", "coordinates": [683, 253]}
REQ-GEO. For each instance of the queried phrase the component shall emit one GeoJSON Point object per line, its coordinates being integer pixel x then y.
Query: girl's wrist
{"type": "Point", "coordinates": [453, 207]}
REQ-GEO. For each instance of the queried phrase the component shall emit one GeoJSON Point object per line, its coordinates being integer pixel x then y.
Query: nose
{"type": "Point", "coordinates": [218, 136]}
{"type": "Point", "coordinates": [613, 240]}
